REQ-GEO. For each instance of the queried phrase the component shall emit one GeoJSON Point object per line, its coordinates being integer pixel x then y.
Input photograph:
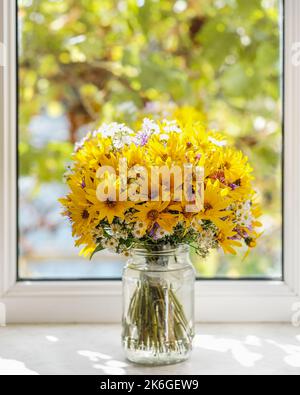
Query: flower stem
{"type": "Point", "coordinates": [155, 320]}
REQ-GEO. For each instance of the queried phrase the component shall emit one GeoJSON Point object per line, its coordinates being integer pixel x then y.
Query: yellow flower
{"type": "Point", "coordinates": [216, 203]}
{"type": "Point", "coordinates": [242, 189]}
{"type": "Point", "coordinates": [234, 165]}
{"type": "Point", "coordinates": [134, 156]}
{"type": "Point", "coordinates": [225, 238]}
{"type": "Point", "coordinates": [110, 208]}
{"type": "Point", "coordinates": [155, 212]}
{"type": "Point", "coordinates": [93, 152]}
{"type": "Point", "coordinates": [168, 153]}
{"type": "Point", "coordinates": [87, 240]}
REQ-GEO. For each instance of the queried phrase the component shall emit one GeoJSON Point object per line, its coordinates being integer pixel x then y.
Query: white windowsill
{"type": "Point", "coordinates": [65, 302]}
{"type": "Point", "coordinates": [272, 349]}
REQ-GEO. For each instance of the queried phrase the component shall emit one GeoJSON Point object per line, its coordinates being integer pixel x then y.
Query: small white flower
{"type": "Point", "coordinates": [113, 129]}
{"type": "Point", "coordinates": [123, 235]}
{"type": "Point", "coordinates": [161, 233]}
{"type": "Point", "coordinates": [171, 127]}
{"type": "Point", "coordinates": [140, 225]}
{"type": "Point", "coordinates": [97, 233]}
{"type": "Point", "coordinates": [218, 143]}
{"type": "Point", "coordinates": [110, 244]}
{"type": "Point", "coordinates": [243, 216]}
{"type": "Point", "coordinates": [120, 140]}
{"type": "Point", "coordinates": [206, 238]}
{"type": "Point", "coordinates": [79, 145]}
{"type": "Point", "coordinates": [149, 126]}
{"type": "Point", "coordinates": [139, 230]}
{"type": "Point", "coordinates": [128, 220]}
{"type": "Point", "coordinates": [116, 228]}
{"type": "Point", "coordinates": [126, 252]}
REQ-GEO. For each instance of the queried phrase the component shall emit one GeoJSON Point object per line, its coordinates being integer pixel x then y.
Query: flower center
{"type": "Point", "coordinates": [85, 214]}
{"type": "Point", "coordinates": [207, 206]}
{"type": "Point", "coordinates": [111, 204]}
{"type": "Point", "coordinates": [153, 215]}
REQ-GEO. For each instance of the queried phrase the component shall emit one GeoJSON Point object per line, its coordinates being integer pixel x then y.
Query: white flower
{"type": "Point", "coordinates": [161, 233]}
{"type": "Point", "coordinates": [116, 228]}
{"type": "Point", "coordinates": [119, 132]}
{"type": "Point", "coordinates": [138, 233]}
{"type": "Point", "coordinates": [97, 233]}
{"type": "Point", "coordinates": [139, 230]}
{"type": "Point", "coordinates": [206, 239]}
{"type": "Point", "coordinates": [127, 253]}
{"type": "Point", "coordinates": [140, 225]}
{"type": "Point", "coordinates": [120, 140]}
{"type": "Point", "coordinates": [243, 215]}
{"type": "Point", "coordinates": [123, 235]}
{"type": "Point", "coordinates": [150, 127]}
{"type": "Point", "coordinates": [81, 143]}
{"type": "Point", "coordinates": [218, 143]}
{"type": "Point", "coordinates": [110, 244]}
{"type": "Point", "coordinates": [171, 127]}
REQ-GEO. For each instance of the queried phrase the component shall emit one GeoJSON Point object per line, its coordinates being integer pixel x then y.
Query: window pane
{"type": "Point", "coordinates": [85, 60]}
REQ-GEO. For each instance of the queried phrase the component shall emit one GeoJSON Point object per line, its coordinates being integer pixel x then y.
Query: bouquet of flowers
{"type": "Point", "coordinates": [172, 182]}
{"type": "Point", "coordinates": [138, 189]}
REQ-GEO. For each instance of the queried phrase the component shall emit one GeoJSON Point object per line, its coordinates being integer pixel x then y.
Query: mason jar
{"type": "Point", "coordinates": [158, 306]}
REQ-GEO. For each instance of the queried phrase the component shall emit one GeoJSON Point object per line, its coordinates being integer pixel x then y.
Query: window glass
{"type": "Point", "coordinates": [85, 60]}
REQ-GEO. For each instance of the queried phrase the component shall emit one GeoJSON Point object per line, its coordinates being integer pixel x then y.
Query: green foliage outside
{"type": "Point", "coordinates": [108, 59]}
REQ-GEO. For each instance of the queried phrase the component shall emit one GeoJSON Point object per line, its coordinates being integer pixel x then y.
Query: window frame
{"type": "Point", "coordinates": [101, 301]}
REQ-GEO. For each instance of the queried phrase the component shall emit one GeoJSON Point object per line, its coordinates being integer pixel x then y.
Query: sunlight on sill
{"type": "Point", "coordinates": [293, 352]}
{"type": "Point", "coordinates": [11, 367]}
{"type": "Point", "coordinates": [52, 339]}
{"type": "Point", "coordinates": [111, 366]}
{"type": "Point", "coordinates": [237, 348]}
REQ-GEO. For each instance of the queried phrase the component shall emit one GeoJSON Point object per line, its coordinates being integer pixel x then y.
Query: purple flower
{"type": "Point", "coordinates": [142, 139]}
{"type": "Point", "coordinates": [153, 230]}
{"type": "Point", "coordinates": [236, 237]}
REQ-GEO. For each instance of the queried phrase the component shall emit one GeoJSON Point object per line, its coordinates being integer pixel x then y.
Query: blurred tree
{"type": "Point", "coordinates": [91, 60]}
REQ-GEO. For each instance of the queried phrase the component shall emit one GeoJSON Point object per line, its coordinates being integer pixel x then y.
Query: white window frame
{"type": "Point", "coordinates": [101, 301]}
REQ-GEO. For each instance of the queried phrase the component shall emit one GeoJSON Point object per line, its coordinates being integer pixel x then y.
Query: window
{"type": "Point", "coordinates": [114, 58]}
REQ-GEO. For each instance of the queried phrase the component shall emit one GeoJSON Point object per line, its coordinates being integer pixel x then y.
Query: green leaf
{"type": "Point", "coordinates": [97, 249]}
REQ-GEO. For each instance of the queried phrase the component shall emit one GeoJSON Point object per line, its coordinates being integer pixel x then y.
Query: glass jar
{"type": "Point", "coordinates": [158, 306]}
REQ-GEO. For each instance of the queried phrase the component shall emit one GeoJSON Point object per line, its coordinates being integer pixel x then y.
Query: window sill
{"type": "Point", "coordinates": [101, 302]}
{"type": "Point", "coordinates": [218, 349]}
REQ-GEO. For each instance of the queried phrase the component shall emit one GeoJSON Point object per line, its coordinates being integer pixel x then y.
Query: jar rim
{"type": "Point", "coordinates": [166, 250]}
